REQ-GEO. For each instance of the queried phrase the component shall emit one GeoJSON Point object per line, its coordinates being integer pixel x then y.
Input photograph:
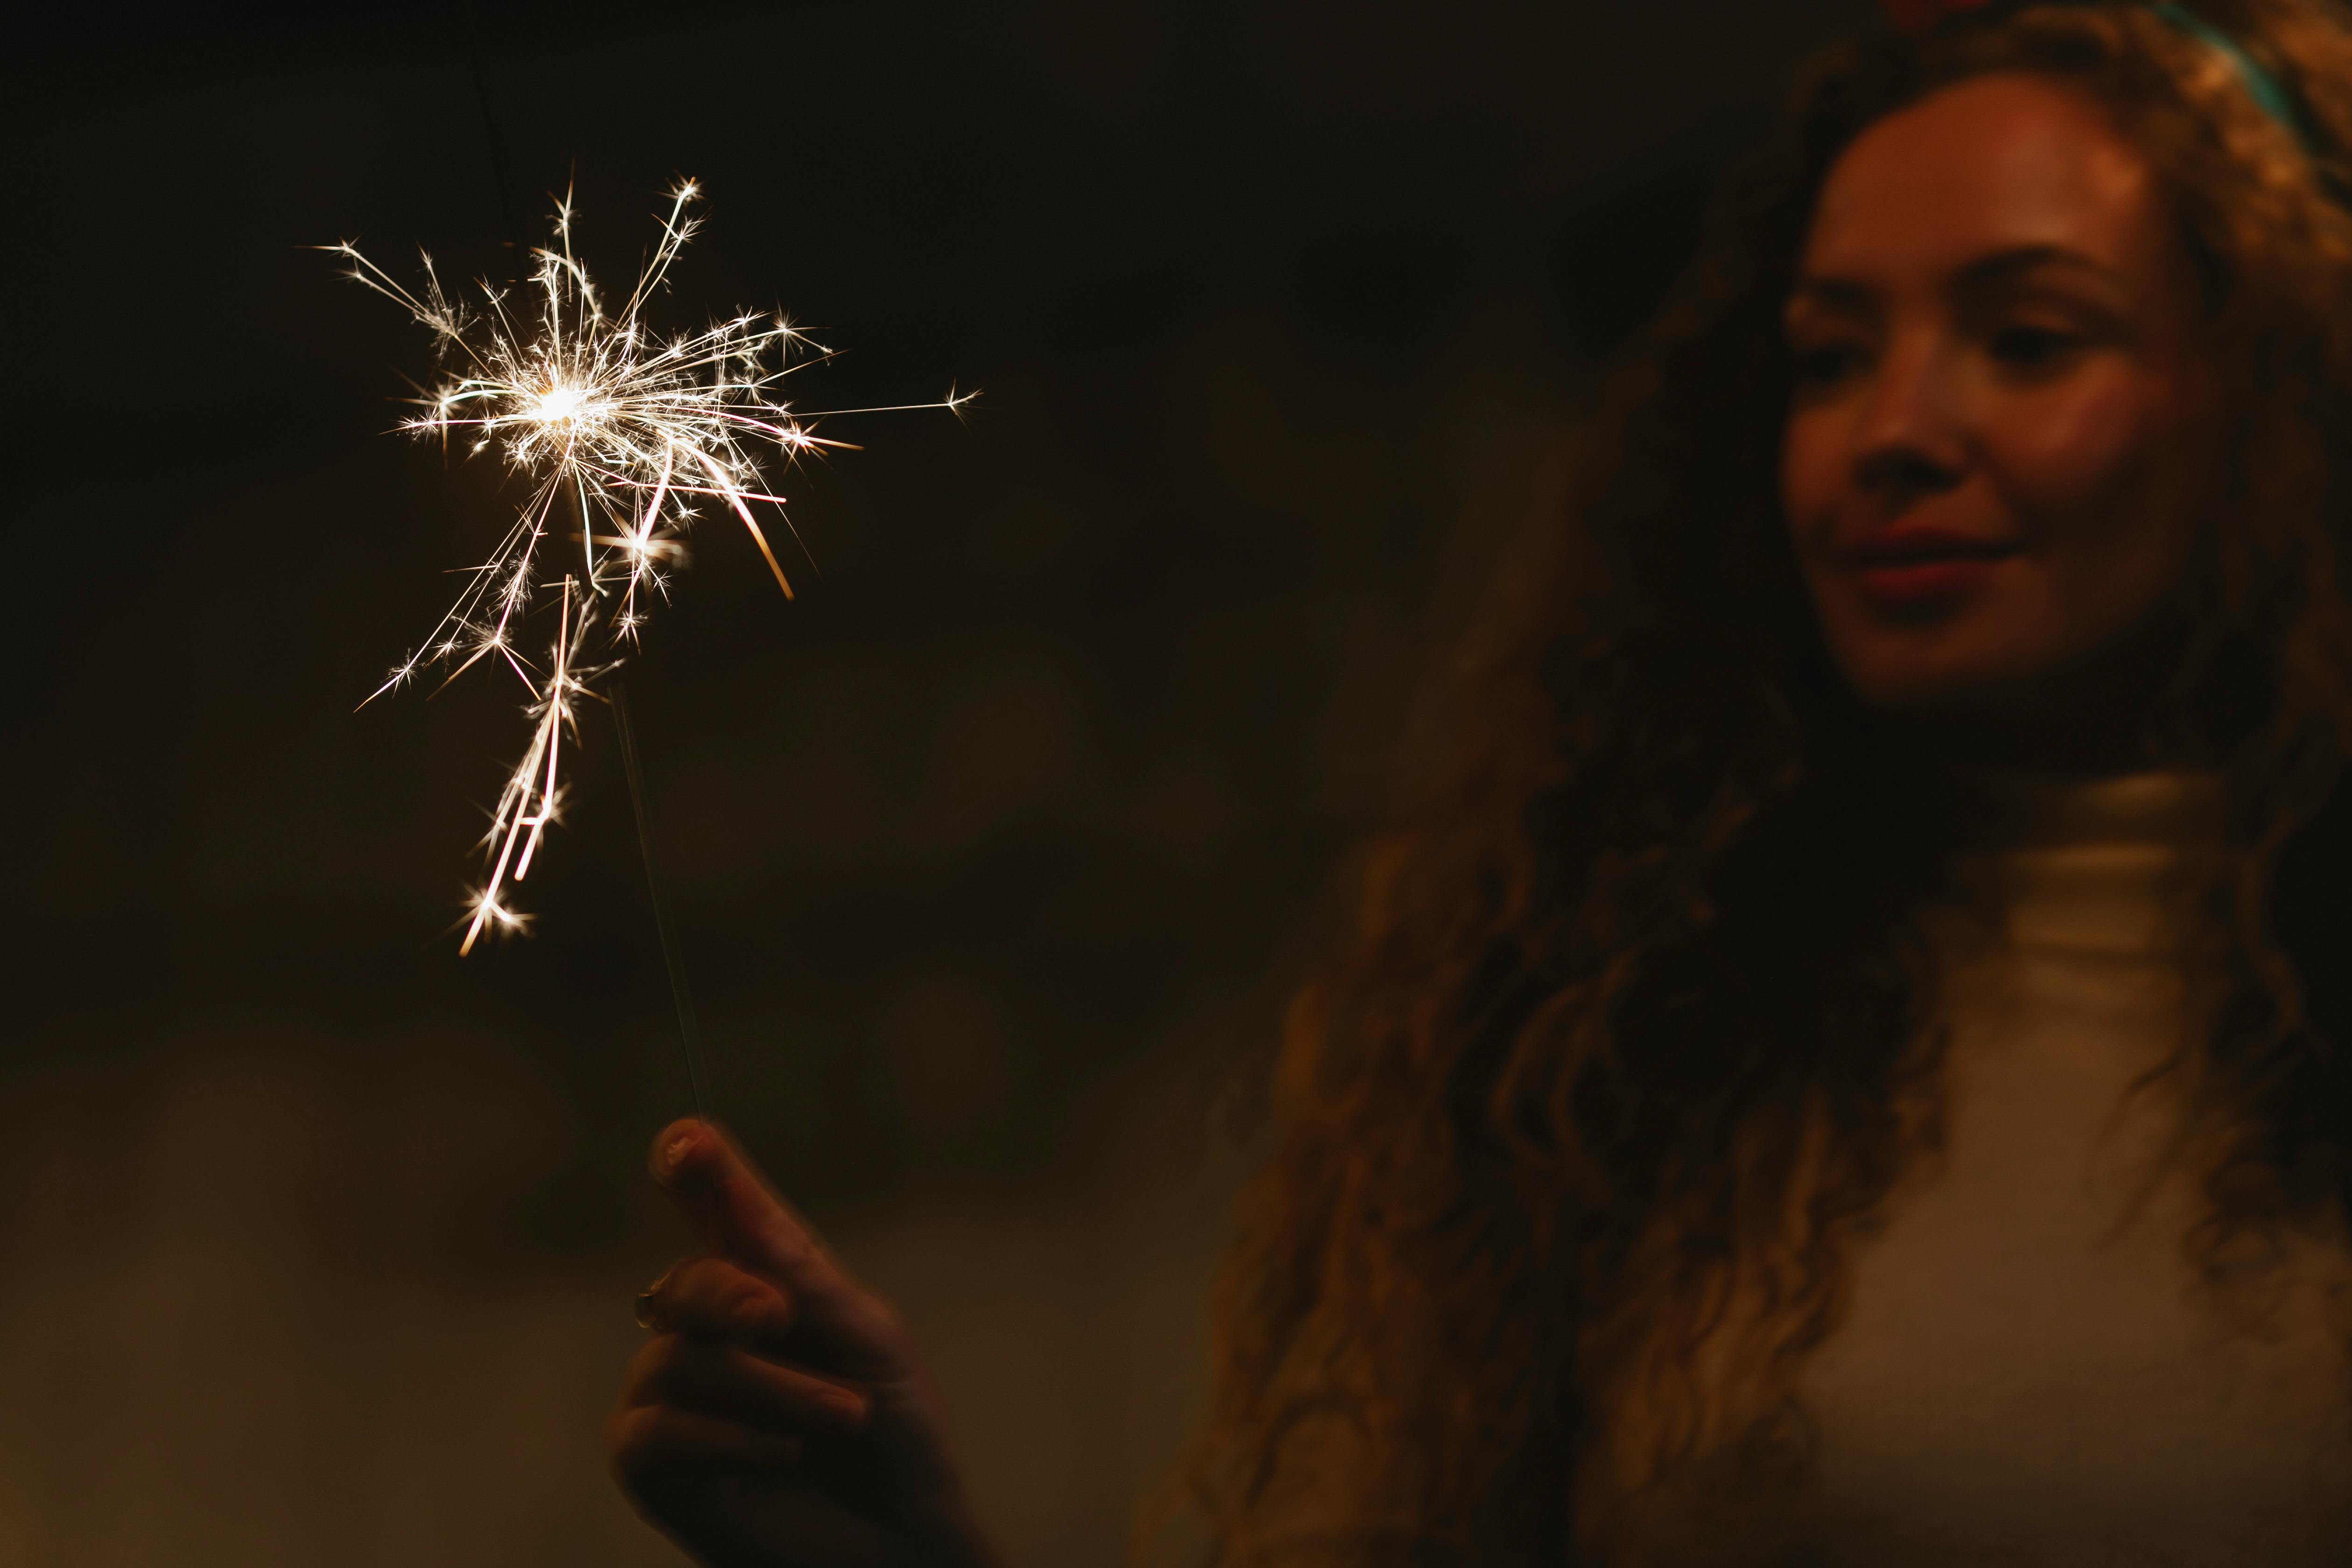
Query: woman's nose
{"type": "Point", "coordinates": [1911, 440]}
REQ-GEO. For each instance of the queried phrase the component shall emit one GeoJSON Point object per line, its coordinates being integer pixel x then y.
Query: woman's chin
{"type": "Point", "coordinates": [1928, 679]}
{"type": "Point", "coordinates": [2035, 717]}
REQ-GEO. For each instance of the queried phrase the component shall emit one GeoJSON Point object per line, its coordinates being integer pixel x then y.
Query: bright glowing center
{"type": "Point", "coordinates": [558, 405]}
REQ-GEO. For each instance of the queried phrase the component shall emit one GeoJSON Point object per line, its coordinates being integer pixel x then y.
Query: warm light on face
{"type": "Point", "coordinates": [1996, 457]}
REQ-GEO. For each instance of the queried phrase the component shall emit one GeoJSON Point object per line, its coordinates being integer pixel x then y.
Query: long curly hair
{"type": "Point", "coordinates": [1569, 1143]}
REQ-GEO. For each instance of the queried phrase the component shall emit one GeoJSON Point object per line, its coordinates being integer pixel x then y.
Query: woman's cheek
{"type": "Point", "coordinates": [2065, 458]}
{"type": "Point", "coordinates": [1810, 462]}
{"type": "Point", "coordinates": [2090, 476]}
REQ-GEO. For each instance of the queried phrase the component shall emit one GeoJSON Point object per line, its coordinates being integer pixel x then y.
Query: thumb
{"type": "Point", "coordinates": [736, 1212]}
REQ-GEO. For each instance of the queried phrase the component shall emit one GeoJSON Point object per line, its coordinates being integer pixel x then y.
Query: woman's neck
{"type": "Point", "coordinates": [2060, 753]}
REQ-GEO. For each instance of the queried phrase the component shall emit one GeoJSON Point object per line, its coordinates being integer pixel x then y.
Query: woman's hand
{"type": "Point", "coordinates": [779, 1416]}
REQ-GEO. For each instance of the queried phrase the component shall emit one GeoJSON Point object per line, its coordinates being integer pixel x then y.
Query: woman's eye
{"type": "Point", "coordinates": [2031, 348]}
{"type": "Point", "coordinates": [1819, 366]}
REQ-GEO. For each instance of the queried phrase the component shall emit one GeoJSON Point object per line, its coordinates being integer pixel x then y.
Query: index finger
{"type": "Point", "coordinates": [735, 1211]}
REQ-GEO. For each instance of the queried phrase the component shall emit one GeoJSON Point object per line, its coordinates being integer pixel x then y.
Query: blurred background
{"type": "Point", "coordinates": [994, 855]}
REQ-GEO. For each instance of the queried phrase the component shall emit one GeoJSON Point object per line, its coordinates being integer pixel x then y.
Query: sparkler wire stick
{"type": "Point", "coordinates": [697, 1071]}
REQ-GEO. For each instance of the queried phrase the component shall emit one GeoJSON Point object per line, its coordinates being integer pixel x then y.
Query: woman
{"type": "Point", "coordinates": [1854, 1066]}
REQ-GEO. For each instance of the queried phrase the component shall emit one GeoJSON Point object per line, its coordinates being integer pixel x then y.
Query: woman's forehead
{"type": "Point", "coordinates": [1996, 163]}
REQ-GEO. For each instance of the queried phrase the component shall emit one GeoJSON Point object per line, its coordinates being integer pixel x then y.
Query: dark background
{"type": "Point", "coordinates": [994, 854]}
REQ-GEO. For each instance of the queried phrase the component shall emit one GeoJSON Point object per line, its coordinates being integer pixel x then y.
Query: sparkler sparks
{"type": "Point", "coordinates": [629, 433]}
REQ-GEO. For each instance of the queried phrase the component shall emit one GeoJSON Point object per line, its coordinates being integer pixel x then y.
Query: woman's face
{"type": "Point", "coordinates": [1999, 442]}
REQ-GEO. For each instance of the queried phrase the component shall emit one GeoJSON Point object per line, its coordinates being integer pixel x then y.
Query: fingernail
{"type": "Point", "coordinates": [646, 1316]}
{"type": "Point", "coordinates": [769, 1315]}
{"type": "Point", "coordinates": [673, 1154]}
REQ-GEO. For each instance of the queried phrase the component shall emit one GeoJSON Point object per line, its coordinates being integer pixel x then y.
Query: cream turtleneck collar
{"type": "Point", "coordinates": [2092, 868]}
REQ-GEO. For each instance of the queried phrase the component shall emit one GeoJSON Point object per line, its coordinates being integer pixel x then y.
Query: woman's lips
{"type": "Point", "coordinates": [1917, 569]}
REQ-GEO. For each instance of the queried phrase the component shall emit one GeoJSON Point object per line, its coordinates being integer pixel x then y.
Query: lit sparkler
{"type": "Point", "coordinates": [628, 432]}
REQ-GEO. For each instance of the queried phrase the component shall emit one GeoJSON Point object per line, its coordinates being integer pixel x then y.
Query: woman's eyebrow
{"type": "Point", "coordinates": [1834, 294]}
{"type": "Point", "coordinates": [1986, 274]}
{"type": "Point", "coordinates": [2005, 267]}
